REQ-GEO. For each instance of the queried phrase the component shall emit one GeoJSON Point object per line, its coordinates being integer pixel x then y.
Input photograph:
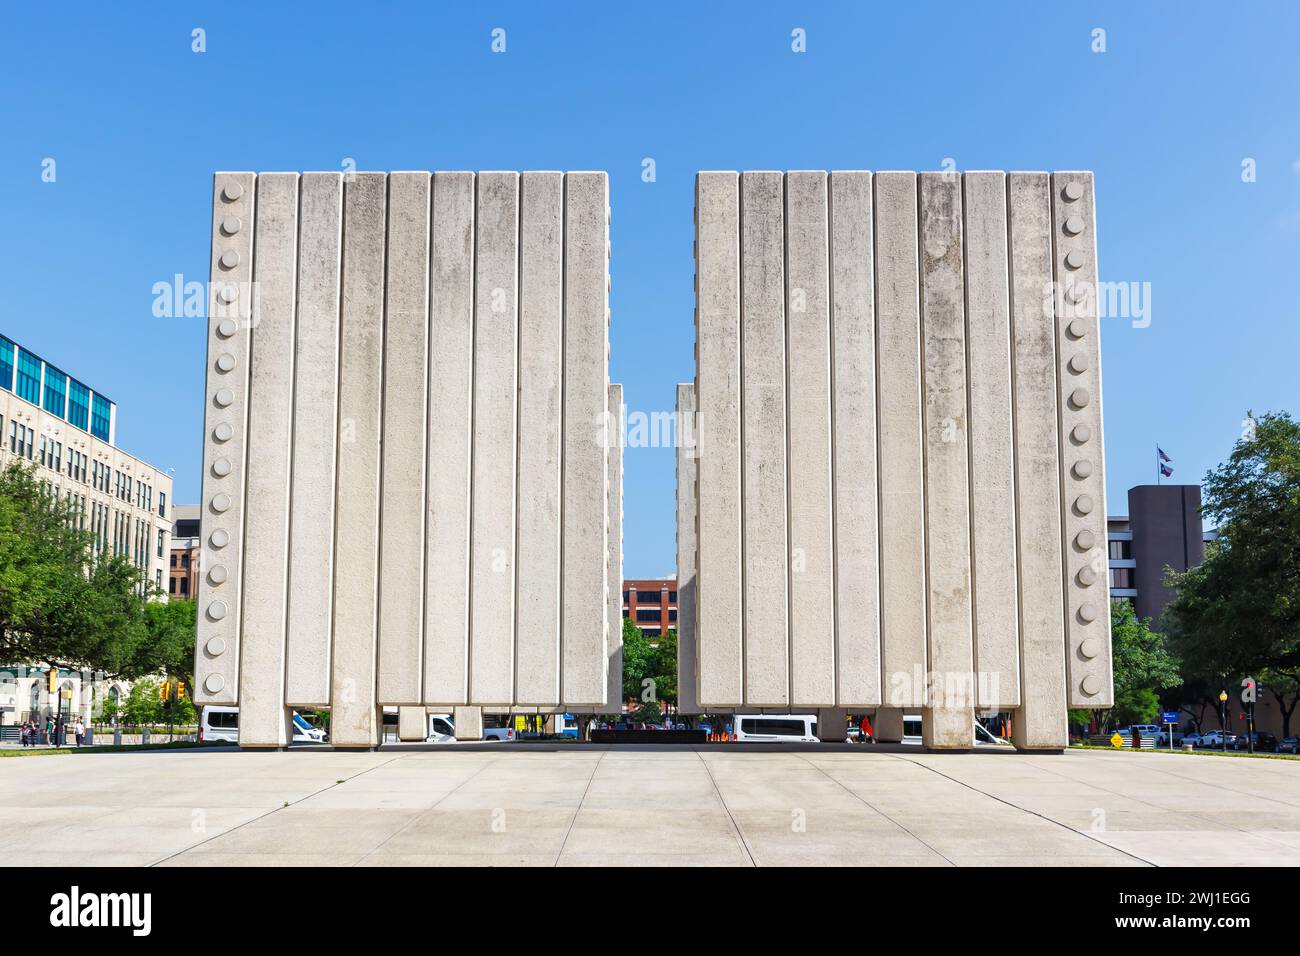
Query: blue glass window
{"type": "Point", "coordinates": [56, 391]}
{"type": "Point", "coordinates": [29, 377]}
{"type": "Point", "coordinates": [79, 405]}
{"type": "Point", "coordinates": [100, 414]}
{"type": "Point", "coordinates": [6, 364]}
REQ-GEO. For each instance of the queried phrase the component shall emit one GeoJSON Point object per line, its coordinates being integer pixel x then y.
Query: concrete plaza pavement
{"type": "Point", "coordinates": [513, 804]}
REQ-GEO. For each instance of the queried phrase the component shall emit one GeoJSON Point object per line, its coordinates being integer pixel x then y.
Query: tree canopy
{"type": "Point", "coordinates": [650, 660]}
{"type": "Point", "coordinates": [59, 604]}
{"type": "Point", "coordinates": [1238, 613]}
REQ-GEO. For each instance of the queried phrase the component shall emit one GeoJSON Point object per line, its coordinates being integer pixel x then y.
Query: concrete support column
{"type": "Point", "coordinates": [888, 725]}
{"type": "Point", "coordinates": [412, 724]}
{"type": "Point", "coordinates": [355, 718]}
{"type": "Point", "coordinates": [469, 722]}
{"type": "Point", "coordinates": [832, 725]}
{"type": "Point", "coordinates": [688, 698]}
{"type": "Point", "coordinates": [949, 718]}
{"type": "Point", "coordinates": [1039, 722]}
{"type": "Point", "coordinates": [263, 716]}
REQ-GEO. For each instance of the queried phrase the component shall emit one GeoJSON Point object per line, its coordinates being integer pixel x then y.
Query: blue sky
{"type": "Point", "coordinates": [137, 123]}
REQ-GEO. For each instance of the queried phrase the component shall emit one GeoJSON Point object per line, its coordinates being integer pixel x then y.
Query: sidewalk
{"type": "Point", "coordinates": [670, 806]}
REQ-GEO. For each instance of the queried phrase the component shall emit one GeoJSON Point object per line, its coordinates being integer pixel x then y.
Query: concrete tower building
{"type": "Point", "coordinates": [895, 495]}
{"type": "Point", "coordinates": [410, 476]}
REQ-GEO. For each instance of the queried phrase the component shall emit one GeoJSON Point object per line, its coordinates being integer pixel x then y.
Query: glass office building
{"type": "Point", "coordinates": [33, 379]}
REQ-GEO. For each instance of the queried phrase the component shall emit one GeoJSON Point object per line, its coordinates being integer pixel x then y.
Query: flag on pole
{"type": "Point", "coordinates": [1166, 470]}
{"type": "Point", "coordinates": [1163, 456]}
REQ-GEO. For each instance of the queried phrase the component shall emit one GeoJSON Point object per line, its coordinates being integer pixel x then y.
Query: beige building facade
{"type": "Point", "coordinates": [65, 430]}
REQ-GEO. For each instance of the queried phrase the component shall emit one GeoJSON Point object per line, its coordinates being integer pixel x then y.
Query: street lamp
{"type": "Point", "coordinates": [1223, 719]}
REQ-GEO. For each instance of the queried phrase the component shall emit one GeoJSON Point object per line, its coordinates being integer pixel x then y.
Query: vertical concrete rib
{"type": "Point", "coordinates": [853, 405]}
{"type": "Point", "coordinates": [584, 641]}
{"type": "Point", "coordinates": [808, 369]}
{"type": "Point", "coordinates": [688, 698]}
{"type": "Point", "coordinates": [614, 570]}
{"type": "Point", "coordinates": [262, 719]}
{"type": "Point", "coordinates": [216, 658]}
{"type": "Point", "coordinates": [992, 468]}
{"type": "Point", "coordinates": [406, 351]}
{"type": "Point", "coordinates": [316, 375]}
{"type": "Point", "coordinates": [354, 712]}
{"type": "Point", "coordinates": [541, 355]}
{"type": "Point", "coordinates": [1087, 606]}
{"type": "Point", "coordinates": [451, 376]}
{"type": "Point", "coordinates": [763, 401]}
{"type": "Point", "coordinates": [898, 391]}
{"type": "Point", "coordinates": [949, 719]}
{"type": "Point", "coordinates": [717, 314]}
{"type": "Point", "coordinates": [1039, 723]}
{"type": "Point", "coordinates": [492, 535]}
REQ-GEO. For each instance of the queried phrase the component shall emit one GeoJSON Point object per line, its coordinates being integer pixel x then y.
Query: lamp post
{"type": "Point", "coordinates": [1223, 719]}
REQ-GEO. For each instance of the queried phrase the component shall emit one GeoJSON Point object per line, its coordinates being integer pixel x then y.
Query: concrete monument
{"type": "Point", "coordinates": [892, 492]}
{"type": "Point", "coordinates": [409, 454]}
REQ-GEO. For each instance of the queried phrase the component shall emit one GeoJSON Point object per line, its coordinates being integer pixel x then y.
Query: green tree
{"type": "Point", "coordinates": [58, 605]}
{"type": "Point", "coordinates": [638, 658]}
{"type": "Point", "coordinates": [665, 667]}
{"type": "Point", "coordinates": [144, 704]}
{"type": "Point", "coordinates": [1143, 667]}
{"type": "Point", "coordinates": [168, 645]}
{"type": "Point", "coordinates": [649, 667]}
{"type": "Point", "coordinates": [1238, 612]}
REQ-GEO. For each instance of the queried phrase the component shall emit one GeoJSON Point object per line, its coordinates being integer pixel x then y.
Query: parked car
{"type": "Point", "coordinates": [1217, 739]}
{"type": "Point", "coordinates": [1264, 742]}
{"type": "Point", "coordinates": [1192, 740]}
{"type": "Point", "coordinates": [1289, 745]}
{"type": "Point", "coordinates": [1146, 730]}
{"type": "Point", "coordinates": [1163, 738]}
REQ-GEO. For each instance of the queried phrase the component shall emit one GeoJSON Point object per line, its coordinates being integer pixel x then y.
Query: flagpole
{"type": "Point", "coordinates": [1159, 471]}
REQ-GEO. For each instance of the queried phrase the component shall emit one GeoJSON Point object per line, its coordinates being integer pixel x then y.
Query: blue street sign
{"type": "Point", "coordinates": [1169, 716]}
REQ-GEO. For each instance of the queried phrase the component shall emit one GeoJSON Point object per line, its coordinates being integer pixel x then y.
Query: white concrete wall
{"type": "Point", "coordinates": [401, 516]}
{"type": "Point", "coordinates": [719, 622]}
{"type": "Point", "coordinates": [225, 402]}
{"type": "Point", "coordinates": [941, 540]}
{"type": "Point", "coordinates": [948, 719]}
{"type": "Point", "coordinates": [261, 668]}
{"type": "Point", "coordinates": [688, 690]}
{"type": "Point", "coordinates": [1087, 604]}
{"type": "Point", "coordinates": [1040, 722]}
{"type": "Point", "coordinates": [587, 442]}
{"type": "Point", "coordinates": [766, 576]}
{"type": "Point", "coordinates": [415, 488]}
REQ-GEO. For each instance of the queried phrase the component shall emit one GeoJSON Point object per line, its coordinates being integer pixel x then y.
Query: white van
{"type": "Point", "coordinates": [776, 728]}
{"type": "Point", "coordinates": [222, 723]}
{"type": "Point", "coordinates": [442, 730]}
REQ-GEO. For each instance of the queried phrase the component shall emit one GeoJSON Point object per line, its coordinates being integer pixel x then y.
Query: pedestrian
{"type": "Point", "coordinates": [81, 732]}
{"type": "Point", "coordinates": [865, 731]}
{"type": "Point", "coordinates": [49, 731]}
{"type": "Point", "coordinates": [22, 735]}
